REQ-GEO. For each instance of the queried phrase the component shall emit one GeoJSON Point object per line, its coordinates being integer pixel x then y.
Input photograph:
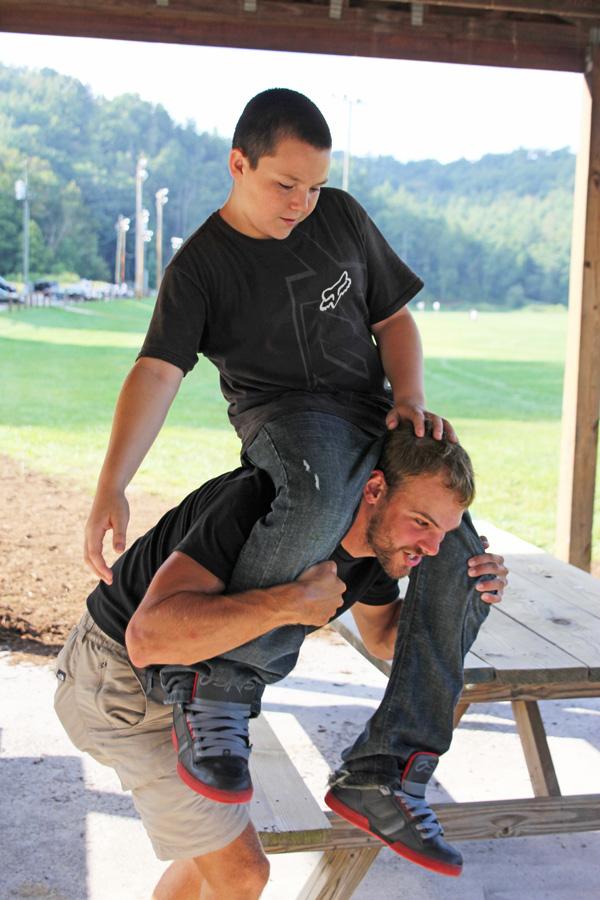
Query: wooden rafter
{"type": "Point", "coordinates": [448, 32]}
{"type": "Point", "coordinates": [569, 9]}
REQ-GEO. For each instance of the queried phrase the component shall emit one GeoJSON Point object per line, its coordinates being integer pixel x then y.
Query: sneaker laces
{"type": "Point", "coordinates": [217, 728]}
{"type": "Point", "coordinates": [425, 819]}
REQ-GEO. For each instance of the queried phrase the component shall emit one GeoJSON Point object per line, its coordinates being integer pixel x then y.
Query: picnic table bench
{"type": "Point", "coordinates": [541, 643]}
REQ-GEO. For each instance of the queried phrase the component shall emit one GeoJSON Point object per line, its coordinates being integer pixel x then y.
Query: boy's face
{"type": "Point", "coordinates": [269, 201]}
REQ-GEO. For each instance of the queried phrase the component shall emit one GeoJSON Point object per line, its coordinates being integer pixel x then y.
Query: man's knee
{"type": "Point", "coordinates": [238, 872]}
{"type": "Point", "coordinates": [242, 882]}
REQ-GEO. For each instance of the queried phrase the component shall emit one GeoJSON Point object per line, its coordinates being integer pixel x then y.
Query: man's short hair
{"type": "Point", "coordinates": [276, 114]}
{"type": "Point", "coordinates": [404, 455]}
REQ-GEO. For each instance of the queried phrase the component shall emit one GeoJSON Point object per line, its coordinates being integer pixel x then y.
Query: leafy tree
{"type": "Point", "coordinates": [495, 231]}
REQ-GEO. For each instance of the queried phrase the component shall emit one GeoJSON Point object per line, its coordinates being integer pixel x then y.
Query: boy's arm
{"type": "Point", "coordinates": [185, 617]}
{"type": "Point", "coordinates": [141, 409]}
{"type": "Point", "coordinates": [402, 359]}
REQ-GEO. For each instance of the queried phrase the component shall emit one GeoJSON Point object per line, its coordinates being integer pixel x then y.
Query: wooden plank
{"type": "Point", "coordinates": [289, 814]}
{"type": "Point", "coordinates": [459, 711]}
{"type": "Point", "coordinates": [487, 819]}
{"type": "Point", "coordinates": [570, 9]}
{"type": "Point", "coordinates": [519, 818]}
{"type": "Point", "coordinates": [581, 396]}
{"type": "Point", "coordinates": [379, 30]}
{"type": "Point", "coordinates": [494, 691]}
{"type": "Point", "coordinates": [556, 620]}
{"type": "Point", "coordinates": [562, 579]}
{"type": "Point", "coordinates": [520, 655]}
{"type": "Point", "coordinates": [483, 820]}
{"type": "Point", "coordinates": [535, 747]}
{"type": "Point", "coordinates": [339, 873]}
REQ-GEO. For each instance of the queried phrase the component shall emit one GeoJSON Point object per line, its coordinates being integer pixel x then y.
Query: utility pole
{"type": "Point", "coordinates": [121, 227]}
{"type": "Point", "coordinates": [350, 102]}
{"type": "Point", "coordinates": [162, 198]}
{"type": "Point", "coordinates": [141, 174]}
{"type": "Point", "coordinates": [22, 194]}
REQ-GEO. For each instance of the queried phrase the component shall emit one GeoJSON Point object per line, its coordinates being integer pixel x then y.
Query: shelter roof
{"type": "Point", "coordinates": [542, 34]}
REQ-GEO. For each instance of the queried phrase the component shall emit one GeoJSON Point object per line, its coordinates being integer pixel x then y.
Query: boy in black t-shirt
{"type": "Point", "coordinates": [302, 307]}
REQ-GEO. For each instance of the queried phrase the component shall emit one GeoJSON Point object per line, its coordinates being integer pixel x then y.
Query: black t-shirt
{"type": "Point", "coordinates": [286, 322]}
{"type": "Point", "coordinates": [211, 525]}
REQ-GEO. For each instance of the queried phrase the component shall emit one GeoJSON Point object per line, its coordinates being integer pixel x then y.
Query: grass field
{"type": "Point", "coordinates": [497, 378]}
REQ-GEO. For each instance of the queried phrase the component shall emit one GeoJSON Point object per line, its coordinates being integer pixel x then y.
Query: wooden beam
{"type": "Point", "coordinates": [377, 30]}
{"type": "Point", "coordinates": [581, 396]}
{"type": "Point", "coordinates": [339, 873]}
{"type": "Point", "coordinates": [532, 816]}
{"type": "Point", "coordinates": [570, 9]}
{"type": "Point", "coordinates": [535, 748]}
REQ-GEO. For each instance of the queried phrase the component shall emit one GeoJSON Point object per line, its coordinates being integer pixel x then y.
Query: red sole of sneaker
{"type": "Point", "coordinates": [204, 789]}
{"type": "Point", "coordinates": [363, 823]}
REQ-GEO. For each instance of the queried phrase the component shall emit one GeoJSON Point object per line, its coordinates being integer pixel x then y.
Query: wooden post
{"type": "Point", "coordinates": [581, 396]}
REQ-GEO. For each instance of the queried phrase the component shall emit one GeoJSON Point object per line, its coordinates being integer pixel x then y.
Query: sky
{"type": "Point", "coordinates": [409, 110]}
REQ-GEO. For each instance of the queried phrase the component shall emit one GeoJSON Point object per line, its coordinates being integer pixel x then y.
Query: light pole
{"type": "Point", "coordinates": [162, 198]}
{"type": "Point", "coordinates": [121, 227]}
{"type": "Point", "coordinates": [147, 237]}
{"type": "Point", "coordinates": [22, 194]}
{"type": "Point", "coordinates": [350, 101]}
{"type": "Point", "coordinates": [141, 174]}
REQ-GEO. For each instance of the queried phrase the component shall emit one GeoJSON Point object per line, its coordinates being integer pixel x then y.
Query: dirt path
{"type": "Point", "coordinates": [43, 580]}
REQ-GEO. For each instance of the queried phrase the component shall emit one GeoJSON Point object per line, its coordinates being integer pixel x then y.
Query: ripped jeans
{"type": "Point", "coordinates": [318, 464]}
{"type": "Point", "coordinates": [323, 462]}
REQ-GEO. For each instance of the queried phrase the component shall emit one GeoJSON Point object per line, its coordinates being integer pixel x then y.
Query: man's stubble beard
{"type": "Point", "coordinates": [382, 547]}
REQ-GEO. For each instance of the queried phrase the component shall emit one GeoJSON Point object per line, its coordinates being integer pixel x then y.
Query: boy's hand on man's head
{"type": "Point", "coordinates": [417, 414]}
{"type": "Point", "coordinates": [110, 511]}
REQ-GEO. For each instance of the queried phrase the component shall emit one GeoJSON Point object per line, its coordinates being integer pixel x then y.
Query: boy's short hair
{"type": "Point", "coordinates": [275, 114]}
{"type": "Point", "coordinates": [404, 455]}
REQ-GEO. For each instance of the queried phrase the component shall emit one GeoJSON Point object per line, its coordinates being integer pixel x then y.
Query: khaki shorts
{"type": "Point", "coordinates": [104, 710]}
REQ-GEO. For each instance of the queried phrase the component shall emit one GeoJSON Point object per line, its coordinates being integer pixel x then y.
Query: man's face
{"type": "Point", "coordinates": [281, 192]}
{"type": "Point", "coordinates": [411, 522]}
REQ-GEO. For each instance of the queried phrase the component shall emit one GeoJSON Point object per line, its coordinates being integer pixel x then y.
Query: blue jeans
{"type": "Point", "coordinates": [439, 621]}
{"type": "Point", "coordinates": [318, 464]}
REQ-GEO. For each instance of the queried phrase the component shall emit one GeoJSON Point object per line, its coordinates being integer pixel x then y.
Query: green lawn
{"type": "Point", "coordinates": [497, 378]}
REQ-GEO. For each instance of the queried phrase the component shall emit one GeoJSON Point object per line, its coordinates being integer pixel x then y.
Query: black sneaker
{"type": "Point", "coordinates": [210, 736]}
{"type": "Point", "coordinates": [400, 817]}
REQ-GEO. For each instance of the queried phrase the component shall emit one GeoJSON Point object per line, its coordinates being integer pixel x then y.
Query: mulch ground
{"type": "Point", "coordinates": [43, 579]}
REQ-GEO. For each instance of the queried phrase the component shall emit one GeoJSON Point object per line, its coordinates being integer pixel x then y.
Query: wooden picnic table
{"type": "Point", "coordinates": [541, 643]}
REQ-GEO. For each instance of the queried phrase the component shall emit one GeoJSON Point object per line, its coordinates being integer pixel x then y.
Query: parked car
{"type": "Point", "coordinates": [8, 292]}
{"type": "Point", "coordinates": [47, 288]}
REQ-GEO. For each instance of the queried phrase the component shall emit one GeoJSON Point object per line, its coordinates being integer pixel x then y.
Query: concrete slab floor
{"type": "Point", "coordinates": [68, 833]}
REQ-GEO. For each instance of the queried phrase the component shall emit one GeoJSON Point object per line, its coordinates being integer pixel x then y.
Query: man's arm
{"type": "Point", "coordinates": [378, 625]}
{"type": "Point", "coordinates": [401, 355]}
{"type": "Point", "coordinates": [141, 409]}
{"type": "Point", "coordinates": [185, 617]}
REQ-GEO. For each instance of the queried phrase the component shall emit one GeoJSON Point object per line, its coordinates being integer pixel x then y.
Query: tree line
{"type": "Point", "coordinates": [493, 232]}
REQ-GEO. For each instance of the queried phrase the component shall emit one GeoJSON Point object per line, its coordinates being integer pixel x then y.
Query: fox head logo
{"type": "Point", "coordinates": [331, 296]}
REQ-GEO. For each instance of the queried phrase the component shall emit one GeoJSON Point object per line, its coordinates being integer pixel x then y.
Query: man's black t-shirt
{"type": "Point", "coordinates": [211, 525]}
{"type": "Point", "coordinates": [286, 322]}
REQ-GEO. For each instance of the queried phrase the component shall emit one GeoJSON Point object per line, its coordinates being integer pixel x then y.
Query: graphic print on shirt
{"type": "Point", "coordinates": [326, 329]}
{"type": "Point", "coordinates": [331, 296]}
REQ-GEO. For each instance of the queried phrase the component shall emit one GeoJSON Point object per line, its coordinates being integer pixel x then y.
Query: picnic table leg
{"type": "Point", "coordinates": [338, 874]}
{"type": "Point", "coordinates": [459, 711]}
{"type": "Point", "coordinates": [535, 747]}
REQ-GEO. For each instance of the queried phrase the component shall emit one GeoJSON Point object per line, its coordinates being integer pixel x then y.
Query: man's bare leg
{"type": "Point", "coordinates": [239, 871]}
